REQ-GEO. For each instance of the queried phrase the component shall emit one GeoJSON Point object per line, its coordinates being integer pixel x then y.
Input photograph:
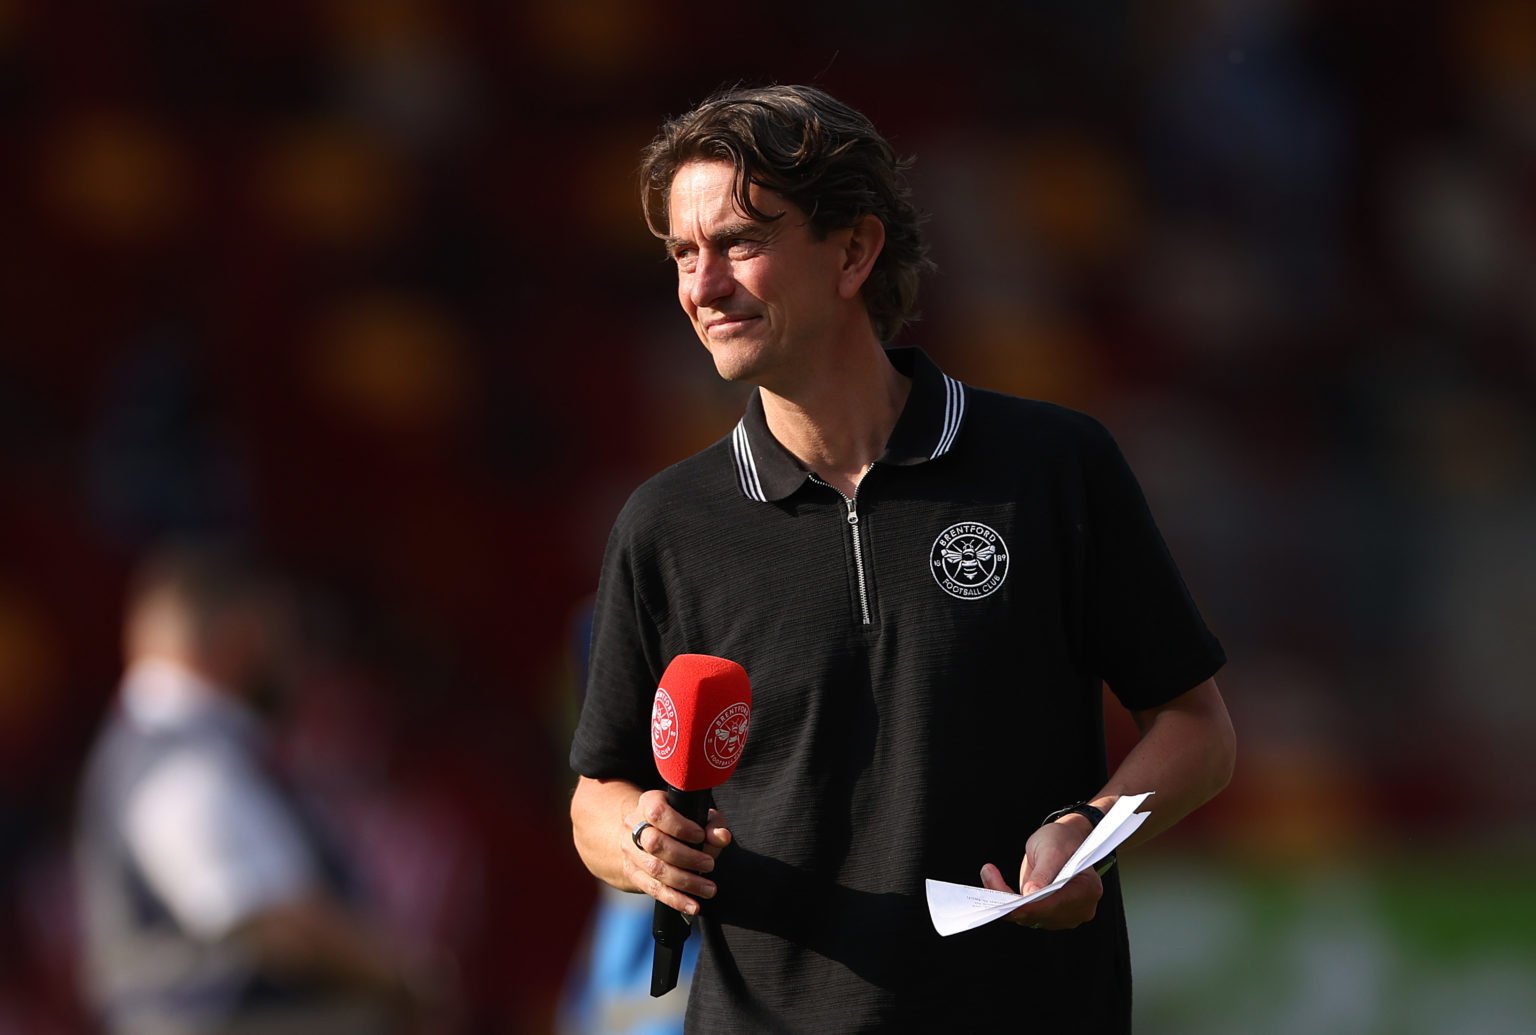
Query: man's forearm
{"type": "Point", "coordinates": [1186, 754]}
{"type": "Point", "coordinates": [596, 808]}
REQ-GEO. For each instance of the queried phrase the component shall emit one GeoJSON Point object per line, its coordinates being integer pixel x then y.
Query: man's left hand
{"type": "Point", "coordinates": [1046, 852]}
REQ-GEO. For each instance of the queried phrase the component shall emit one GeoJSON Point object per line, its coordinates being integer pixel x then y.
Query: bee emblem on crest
{"type": "Point", "coordinates": [969, 560]}
{"type": "Point", "coordinates": [727, 735]}
{"type": "Point", "coordinates": [663, 725]}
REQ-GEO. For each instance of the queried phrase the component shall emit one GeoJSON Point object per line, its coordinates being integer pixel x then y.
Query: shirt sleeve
{"type": "Point", "coordinates": [1147, 637]}
{"type": "Point", "coordinates": [214, 841]}
{"type": "Point", "coordinates": [612, 738]}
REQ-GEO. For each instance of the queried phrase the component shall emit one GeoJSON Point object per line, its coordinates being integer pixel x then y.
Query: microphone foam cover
{"type": "Point", "coordinates": [699, 720]}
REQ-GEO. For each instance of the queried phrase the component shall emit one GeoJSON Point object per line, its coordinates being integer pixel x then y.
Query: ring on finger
{"type": "Point", "coordinates": [634, 835]}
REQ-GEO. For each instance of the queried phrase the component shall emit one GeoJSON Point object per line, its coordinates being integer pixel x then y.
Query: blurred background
{"type": "Point", "coordinates": [365, 282]}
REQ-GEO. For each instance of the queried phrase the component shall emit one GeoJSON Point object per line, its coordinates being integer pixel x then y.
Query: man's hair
{"type": "Point", "coordinates": [814, 151]}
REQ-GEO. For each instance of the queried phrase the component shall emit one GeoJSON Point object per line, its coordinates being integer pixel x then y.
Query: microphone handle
{"type": "Point", "coordinates": [669, 927]}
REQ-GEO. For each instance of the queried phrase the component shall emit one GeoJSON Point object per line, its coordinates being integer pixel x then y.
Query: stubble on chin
{"type": "Point", "coordinates": [729, 364]}
{"type": "Point", "coordinates": [730, 370]}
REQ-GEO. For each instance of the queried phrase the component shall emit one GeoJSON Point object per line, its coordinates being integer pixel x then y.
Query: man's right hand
{"type": "Point", "coordinates": [669, 857]}
{"type": "Point", "coordinates": [673, 853]}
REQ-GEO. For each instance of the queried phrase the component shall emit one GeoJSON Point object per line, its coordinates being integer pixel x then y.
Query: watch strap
{"type": "Point", "coordinates": [1092, 813]}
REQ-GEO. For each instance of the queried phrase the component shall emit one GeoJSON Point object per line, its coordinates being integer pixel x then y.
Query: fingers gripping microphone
{"type": "Point", "coordinates": [698, 729]}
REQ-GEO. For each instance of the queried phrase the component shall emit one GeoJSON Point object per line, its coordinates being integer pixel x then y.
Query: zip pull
{"type": "Point", "coordinates": [853, 515]}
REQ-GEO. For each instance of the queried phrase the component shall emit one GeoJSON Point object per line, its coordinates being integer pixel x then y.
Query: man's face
{"type": "Point", "coordinates": [761, 296]}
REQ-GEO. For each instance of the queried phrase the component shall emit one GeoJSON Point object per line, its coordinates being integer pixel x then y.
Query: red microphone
{"type": "Point", "coordinates": [698, 730]}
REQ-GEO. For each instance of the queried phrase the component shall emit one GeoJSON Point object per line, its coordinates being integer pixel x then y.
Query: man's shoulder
{"type": "Point", "coordinates": [703, 479]}
{"type": "Point", "coordinates": [997, 414]}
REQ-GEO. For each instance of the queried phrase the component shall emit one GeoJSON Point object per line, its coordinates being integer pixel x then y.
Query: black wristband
{"type": "Point", "coordinates": [1092, 813]}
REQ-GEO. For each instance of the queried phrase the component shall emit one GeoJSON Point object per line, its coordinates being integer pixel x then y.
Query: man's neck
{"type": "Point", "coordinates": [838, 423]}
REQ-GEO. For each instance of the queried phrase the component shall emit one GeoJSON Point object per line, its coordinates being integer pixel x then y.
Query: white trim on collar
{"type": "Point", "coordinates": [746, 466]}
{"type": "Point", "coordinates": [954, 411]}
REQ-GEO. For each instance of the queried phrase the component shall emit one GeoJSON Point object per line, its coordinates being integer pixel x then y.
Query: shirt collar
{"type": "Point", "coordinates": [926, 430]}
{"type": "Point", "coordinates": [159, 694]}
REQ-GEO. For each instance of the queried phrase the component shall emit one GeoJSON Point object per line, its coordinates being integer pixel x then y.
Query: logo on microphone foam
{"type": "Point", "coordinates": [726, 736]}
{"type": "Point", "coordinates": [969, 560]}
{"type": "Point", "coordinates": [663, 725]}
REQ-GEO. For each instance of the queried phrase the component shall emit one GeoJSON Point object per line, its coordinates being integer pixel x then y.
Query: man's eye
{"type": "Point", "coordinates": [741, 246]}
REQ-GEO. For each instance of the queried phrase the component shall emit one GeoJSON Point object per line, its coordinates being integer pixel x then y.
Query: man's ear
{"type": "Point", "coordinates": [866, 239]}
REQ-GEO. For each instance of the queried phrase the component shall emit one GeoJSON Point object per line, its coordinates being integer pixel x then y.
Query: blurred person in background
{"type": "Point", "coordinates": [211, 900]}
{"type": "Point", "coordinates": [929, 584]}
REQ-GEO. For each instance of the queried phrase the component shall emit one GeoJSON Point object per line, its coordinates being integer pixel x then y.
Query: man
{"type": "Point", "coordinates": [928, 585]}
{"type": "Point", "coordinates": [210, 903]}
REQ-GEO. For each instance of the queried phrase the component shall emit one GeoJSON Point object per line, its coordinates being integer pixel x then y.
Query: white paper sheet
{"type": "Point", "coordinates": [960, 907]}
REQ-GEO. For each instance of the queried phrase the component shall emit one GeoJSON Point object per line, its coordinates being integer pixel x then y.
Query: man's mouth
{"type": "Point", "coordinates": [725, 324]}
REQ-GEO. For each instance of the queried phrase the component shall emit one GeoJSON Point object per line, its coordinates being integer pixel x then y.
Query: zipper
{"type": "Point", "coordinates": [858, 547]}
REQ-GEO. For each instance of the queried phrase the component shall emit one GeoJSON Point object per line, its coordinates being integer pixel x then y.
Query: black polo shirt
{"type": "Point", "coordinates": [926, 663]}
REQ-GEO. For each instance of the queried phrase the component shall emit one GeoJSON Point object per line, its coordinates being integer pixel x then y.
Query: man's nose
{"type": "Point", "coordinates": [712, 279]}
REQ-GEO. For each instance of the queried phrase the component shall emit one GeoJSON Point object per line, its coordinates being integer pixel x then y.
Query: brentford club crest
{"type": "Point", "coordinates": [726, 736]}
{"type": "Point", "coordinates": [663, 725]}
{"type": "Point", "coordinates": [969, 561]}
